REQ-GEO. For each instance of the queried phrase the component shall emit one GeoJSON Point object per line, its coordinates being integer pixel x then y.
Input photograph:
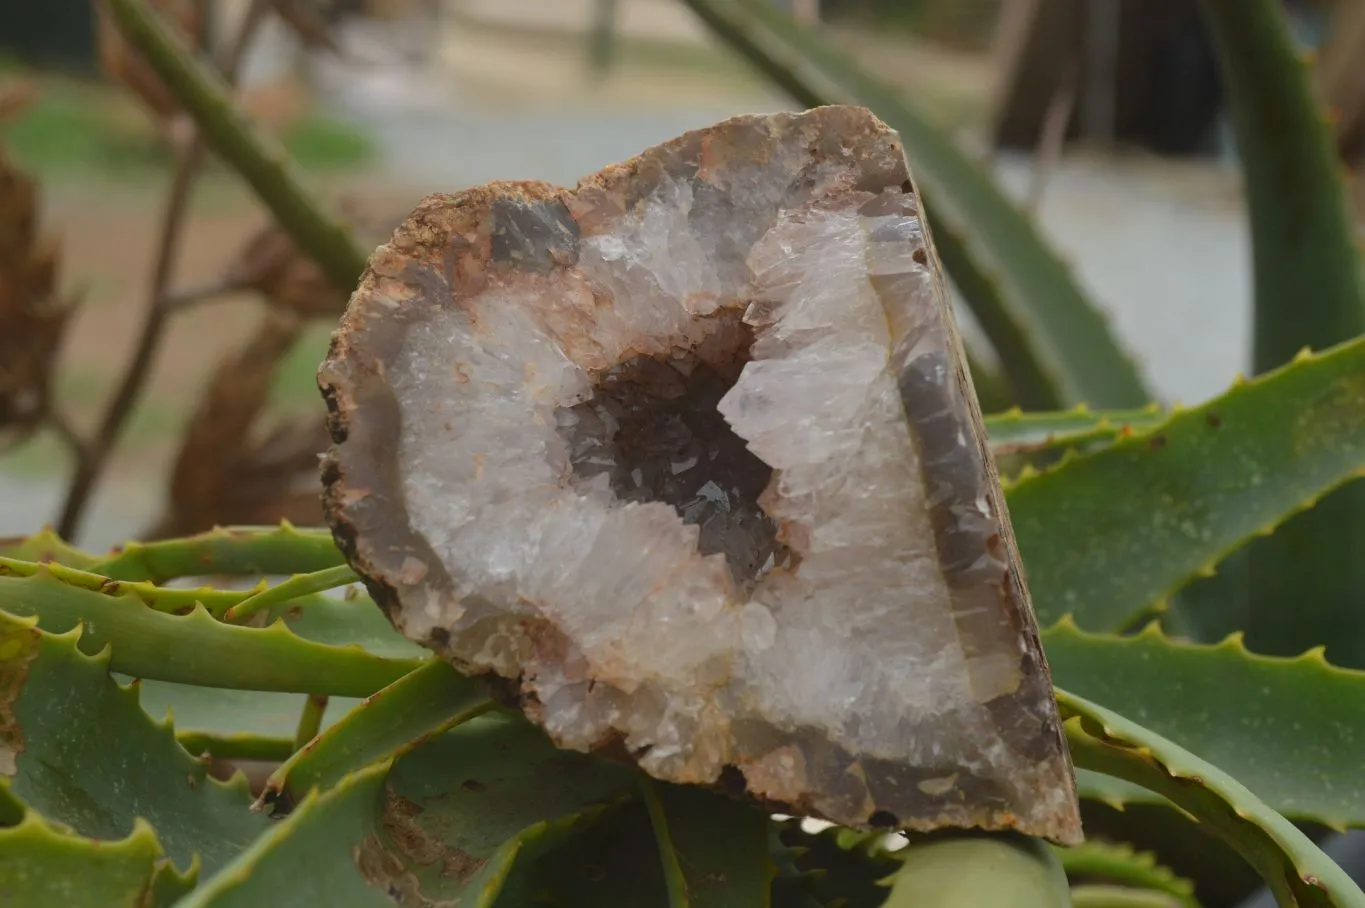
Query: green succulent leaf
{"type": "Point", "coordinates": [1304, 582]}
{"type": "Point", "coordinates": [713, 849]}
{"type": "Point", "coordinates": [319, 855]}
{"type": "Point", "coordinates": [232, 551]}
{"type": "Point", "coordinates": [45, 546]}
{"type": "Point", "coordinates": [1110, 862]}
{"type": "Point", "coordinates": [613, 861]}
{"type": "Point", "coordinates": [839, 866]}
{"type": "Point", "coordinates": [492, 793]}
{"type": "Point", "coordinates": [337, 621]}
{"type": "Point", "coordinates": [793, 887]}
{"type": "Point", "coordinates": [310, 720]}
{"type": "Point", "coordinates": [992, 390]}
{"type": "Point", "coordinates": [1307, 279]}
{"type": "Point", "coordinates": [43, 865]}
{"type": "Point", "coordinates": [1121, 897]}
{"type": "Point", "coordinates": [997, 869]}
{"type": "Point", "coordinates": [453, 819]}
{"type": "Point", "coordinates": [1067, 338]}
{"type": "Point", "coordinates": [1113, 792]}
{"type": "Point", "coordinates": [1295, 870]}
{"type": "Point", "coordinates": [425, 702]}
{"type": "Point", "coordinates": [1017, 432]}
{"type": "Point", "coordinates": [243, 724]}
{"type": "Point", "coordinates": [291, 589]}
{"type": "Point", "coordinates": [1153, 510]}
{"type": "Point", "coordinates": [78, 749]}
{"type": "Point", "coordinates": [175, 600]}
{"type": "Point", "coordinates": [196, 649]}
{"type": "Point", "coordinates": [1028, 373]}
{"type": "Point", "coordinates": [1250, 715]}
{"type": "Point", "coordinates": [1190, 848]}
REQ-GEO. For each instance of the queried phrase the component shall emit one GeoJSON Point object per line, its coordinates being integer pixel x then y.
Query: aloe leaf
{"type": "Point", "coordinates": [12, 810]}
{"type": "Point", "coordinates": [1248, 714]}
{"type": "Point", "coordinates": [713, 849]}
{"type": "Point", "coordinates": [45, 866]}
{"type": "Point", "coordinates": [1295, 870]}
{"type": "Point", "coordinates": [196, 649]}
{"type": "Point", "coordinates": [1190, 848]}
{"type": "Point", "coordinates": [237, 746]}
{"type": "Point", "coordinates": [1104, 535]}
{"type": "Point", "coordinates": [341, 621]}
{"type": "Point", "coordinates": [425, 702]}
{"type": "Point", "coordinates": [1113, 792]}
{"type": "Point", "coordinates": [1304, 582]}
{"type": "Point", "coordinates": [613, 861]}
{"type": "Point", "coordinates": [793, 887]}
{"type": "Point", "coordinates": [1004, 870]}
{"type": "Point", "coordinates": [1120, 897]}
{"type": "Point", "coordinates": [293, 588]}
{"type": "Point", "coordinates": [448, 822]}
{"type": "Point", "coordinates": [245, 551]}
{"type": "Point", "coordinates": [160, 598]}
{"type": "Point", "coordinates": [494, 792]}
{"type": "Point", "coordinates": [1119, 863]}
{"type": "Point", "coordinates": [1030, 376]}
{"type": "Point", "coordinates": [992, 390]}
{"type": "Point", "coordinates": [1307, 283]}
{"type": "Point", "coordinates": [1068, 338]}
{"type": "Point", "coordinates": [79, 750]}
{"type": "Point", "coordinates": [45, 546]}
{"type": "Point", "coordinates": [841, 866]}
{"type": "Point", "coordinates": [310, 719]}
{"type": "Point", "coordinates": [243, 724]}
{"type": "Point", "coordinates": [1017, 432]}
{"type": "Point", "coordinates": [317, 856]}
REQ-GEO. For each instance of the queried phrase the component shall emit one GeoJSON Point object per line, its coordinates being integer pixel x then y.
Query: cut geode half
{"type": "Point", "coordinates": [687, 462]}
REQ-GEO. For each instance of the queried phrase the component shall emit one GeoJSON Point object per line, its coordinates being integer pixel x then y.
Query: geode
{"type": "Point", "coordinates": [686, 462]}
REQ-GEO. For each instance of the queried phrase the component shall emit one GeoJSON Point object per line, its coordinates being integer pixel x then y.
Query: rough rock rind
{"type": "Point", "coordinates": [883, 669]}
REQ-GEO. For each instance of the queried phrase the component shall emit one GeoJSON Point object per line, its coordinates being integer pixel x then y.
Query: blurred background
{"type": "Point", "coordinates": [1104, 118]}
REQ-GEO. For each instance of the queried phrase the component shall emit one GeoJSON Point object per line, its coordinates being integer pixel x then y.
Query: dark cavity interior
{"type": "Point", "coordinates": [653, 428]}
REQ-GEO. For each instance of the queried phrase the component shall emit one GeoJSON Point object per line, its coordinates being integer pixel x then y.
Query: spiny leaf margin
{"type": "Point", "coordinates": [1151, 511]}
{"type": "Point", "coordinates": [1293, 867]}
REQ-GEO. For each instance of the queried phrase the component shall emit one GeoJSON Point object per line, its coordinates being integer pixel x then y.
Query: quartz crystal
{"type": "Point", "coordinates": [686, 463]}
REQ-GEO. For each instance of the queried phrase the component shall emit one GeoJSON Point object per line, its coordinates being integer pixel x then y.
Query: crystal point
{"type": "Point", "coordinates": [690, 459]}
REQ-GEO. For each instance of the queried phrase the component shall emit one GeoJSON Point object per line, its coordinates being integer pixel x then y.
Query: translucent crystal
{"type": "Point", "coordinates": [688, 457]}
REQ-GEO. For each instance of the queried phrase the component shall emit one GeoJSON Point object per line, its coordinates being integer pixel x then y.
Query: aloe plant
{"type": "Point", "coordinates": [426, 787]}
{"type": "Point", "coordinates": [396, 780]}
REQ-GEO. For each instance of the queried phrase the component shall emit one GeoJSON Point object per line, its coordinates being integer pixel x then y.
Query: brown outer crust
{"type": "Point", "coordinates": [435, 244]}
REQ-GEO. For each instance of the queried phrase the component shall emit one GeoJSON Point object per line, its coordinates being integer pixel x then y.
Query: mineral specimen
{"type": "Point", "coordinates": [687, 461]}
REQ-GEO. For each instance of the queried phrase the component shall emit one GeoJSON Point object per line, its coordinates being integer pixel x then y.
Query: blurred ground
{"type": "Point", "coordinates": [510, 94]}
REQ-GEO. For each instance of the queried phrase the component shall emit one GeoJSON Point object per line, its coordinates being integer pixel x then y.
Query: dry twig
{"type": "Point", "coordinates": [157, 311]}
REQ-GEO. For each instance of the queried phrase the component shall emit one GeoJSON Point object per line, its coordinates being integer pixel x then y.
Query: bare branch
{"type": "Point", "coordinates": [130, 388]}
{"type": "Point", "coordinates": [258, 160]}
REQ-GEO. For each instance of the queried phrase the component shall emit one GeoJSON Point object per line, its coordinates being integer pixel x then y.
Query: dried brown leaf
{"type": "Point", "coordinates": [33, 316]}
{"type": "Point", "coordinates": [271, 264]}
{"type": "Point", "coordinates": [230, 471]}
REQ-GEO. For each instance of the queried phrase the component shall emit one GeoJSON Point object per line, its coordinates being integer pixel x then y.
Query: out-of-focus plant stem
{"type": "Point", "coordinates": [228, 133]}
{"type": "Point", "coordinates": [92, 456]}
